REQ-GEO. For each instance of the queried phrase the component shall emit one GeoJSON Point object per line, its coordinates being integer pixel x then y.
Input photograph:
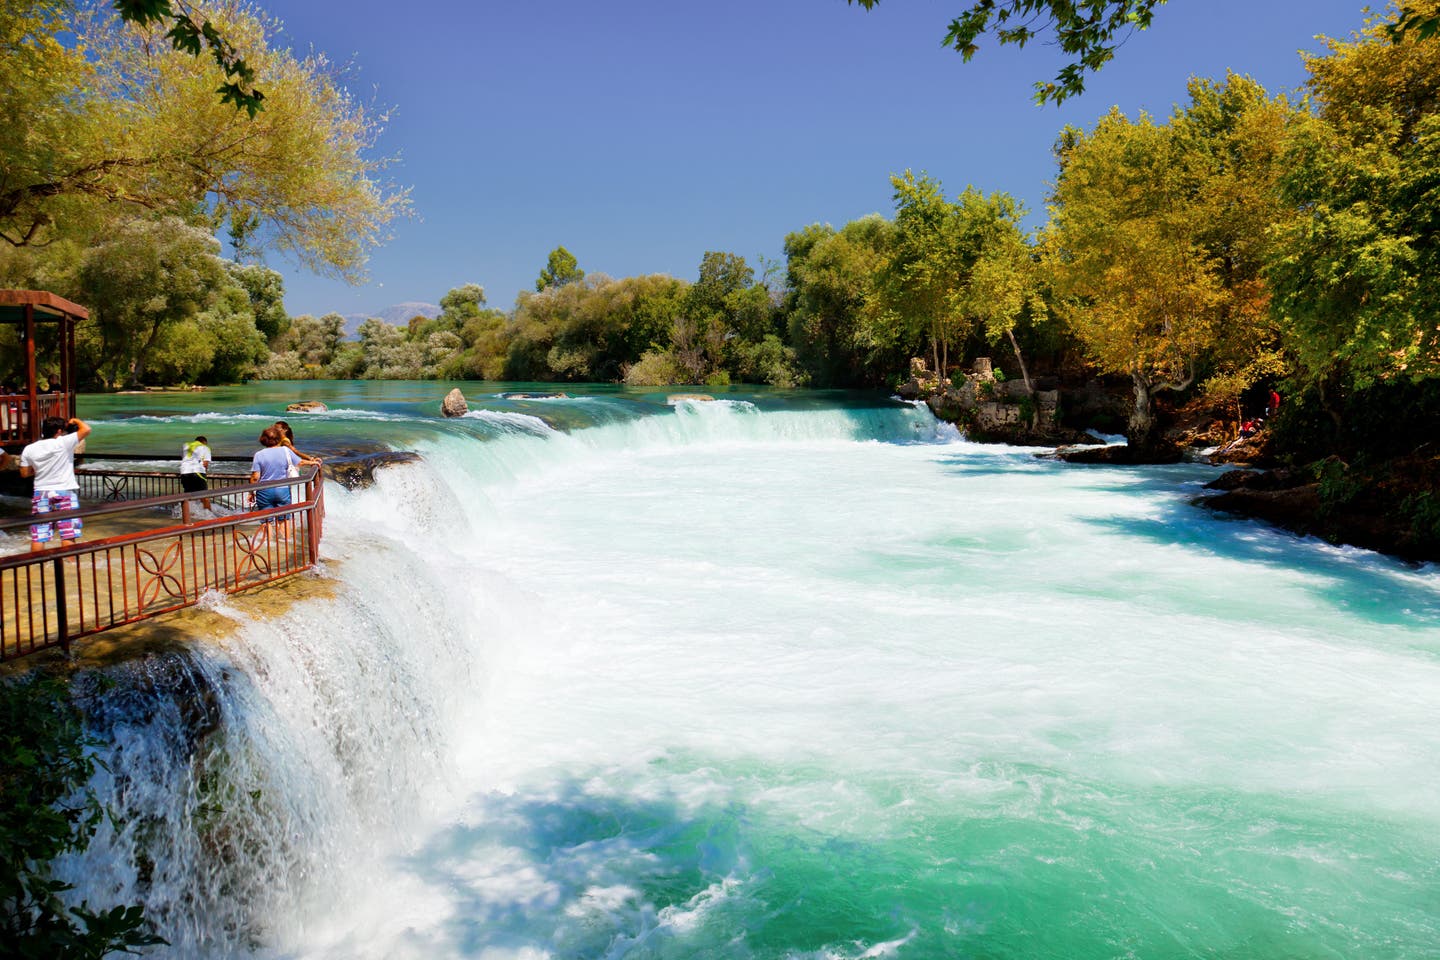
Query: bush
{"type": "Point", "coordinates": [657, 368]}
{"type": "Point", "coordinates": [47, 809]}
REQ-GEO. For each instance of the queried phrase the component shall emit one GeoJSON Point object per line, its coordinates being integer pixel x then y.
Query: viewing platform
{"type": "Point", "coordinates": [147, 563]}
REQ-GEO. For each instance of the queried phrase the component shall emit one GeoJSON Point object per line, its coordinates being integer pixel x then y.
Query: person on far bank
{"type": "Point", "coordinates": [51, 461]}
{"type": "Point", "coordinates": [273, 462]}
{"type": "Point", "coordinates": [194, 465]}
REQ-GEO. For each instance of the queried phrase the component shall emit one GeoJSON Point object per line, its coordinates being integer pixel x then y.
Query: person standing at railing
{"type": "Point", "coordinates": [194, 464]}
{"type": "Point", "coordinates": [273, 462]}
{"type": "Point", "coordinates": [51, 461]}
{"type": "Point", "coordinates": [287, 439]}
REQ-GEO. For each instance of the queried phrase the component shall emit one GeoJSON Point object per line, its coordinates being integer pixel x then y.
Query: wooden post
{"type": "Point", "coordinates": [32, 401]}
{"type": "Point", "coordinates": [67, 362]}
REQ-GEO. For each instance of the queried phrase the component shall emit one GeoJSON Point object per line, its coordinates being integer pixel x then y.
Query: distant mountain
{"type": "Point", "coordinates": [398, 314]}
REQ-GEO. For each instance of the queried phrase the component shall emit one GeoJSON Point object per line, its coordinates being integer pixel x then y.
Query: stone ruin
{"type": "Point", "coordinates": [986, 407]}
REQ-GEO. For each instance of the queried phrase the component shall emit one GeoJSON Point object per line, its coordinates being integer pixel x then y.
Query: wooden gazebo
{"type": "Point", "coordinates": [21, 414]}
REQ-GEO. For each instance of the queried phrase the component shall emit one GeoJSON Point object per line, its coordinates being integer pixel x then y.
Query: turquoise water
{"type": "Point", "coordinates": [786, 676]}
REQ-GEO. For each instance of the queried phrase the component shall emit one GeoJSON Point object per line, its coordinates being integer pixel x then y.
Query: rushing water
{"type": "Point", "coordinates": [800, 676]}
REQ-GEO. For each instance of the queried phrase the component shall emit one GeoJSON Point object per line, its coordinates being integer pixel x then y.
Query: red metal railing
{"type": "Point", "coordinates": [51, 597]}
{"type": "Point", "coordinates": [15, 414]}
{"type": "Point", "coordinates": [113, 486]}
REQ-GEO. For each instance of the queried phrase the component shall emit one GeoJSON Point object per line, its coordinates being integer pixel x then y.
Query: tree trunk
{"type": "Point", "coordinates": [1143, 431]}
{"type": "Point", "coordinates": [935, 352]}
{"type": "Point", "coordinates": [142, 357]}
{"type": "Point", "coordinates": [1336, 414]}
{"type": "Point", "coordinates": [1024, 374]}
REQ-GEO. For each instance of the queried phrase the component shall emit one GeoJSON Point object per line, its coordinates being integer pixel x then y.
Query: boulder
{"type": "Point", "coordinates": [454, 404]}
{"type": "Point", "coordinates": [682, 397]}
{"type": "Point", "coordinates": [306, 406]}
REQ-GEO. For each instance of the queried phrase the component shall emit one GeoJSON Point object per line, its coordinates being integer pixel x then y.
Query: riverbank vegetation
{"type": "Point", "coordinates": [1248, 242]}
{"type": "Point", "coordinates": [48, 808]}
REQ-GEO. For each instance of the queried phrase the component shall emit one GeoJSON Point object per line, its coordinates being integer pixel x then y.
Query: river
{"type": "Point", "coordinates": [781, 675]}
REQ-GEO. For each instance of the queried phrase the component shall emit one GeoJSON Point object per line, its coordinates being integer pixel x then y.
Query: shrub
{"type": "Point", "coordinates": [47, 809]}
{"type": "Point", "coordinates": [657, 368]}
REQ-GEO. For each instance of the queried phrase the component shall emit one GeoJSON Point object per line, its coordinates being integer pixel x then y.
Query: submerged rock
{"type": "Point", "coordinates": [454, 404]}
{"type": "Point", "coordinates": [534, 396]}
{"type": "Point", "coordinates": [682, 397]}
{"type": "Point", "coordinates": [306, 406]}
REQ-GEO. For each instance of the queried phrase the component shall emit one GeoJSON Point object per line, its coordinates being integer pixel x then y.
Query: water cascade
{"type": "Point", "coordinates": [783, 678]}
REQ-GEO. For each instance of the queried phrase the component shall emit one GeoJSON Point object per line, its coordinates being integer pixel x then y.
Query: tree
{"type": "Point", "coordinates": [388, 354]}
{"type": "Point", "coordinates": [150, 276]}
{"type": "Point", "coordinates": [1156, 242]}
{"type": "Point", "coordinates": [927, 283]}
{"type": "Point", "coordinates": [229, 327]}
{"type": "Point", "coordinates": [189, 32]}
{"type": "Point", "coordinates": [1129, 274]}
{"type": "Point", "coordinates": [118, 125]}
{"type": "Point", "coordinates": [592, 329]}
{"type": "Point", "coordinates": [1353, 273]}
{"type": "Point", "coordinates": [1087, 32]}
{"type": "Point", "coordinates": [724, 314]}
{"type": "Point", "coordinates": [920, 276]}
{"type": "Point", "coordinates": [1006, 285]}
{"type": "Point", "coordinates": [265, 289]}
{"type": "Point", "coordinates": [461, 305]}
{"type": "Point", "coordinates": [560, 268]}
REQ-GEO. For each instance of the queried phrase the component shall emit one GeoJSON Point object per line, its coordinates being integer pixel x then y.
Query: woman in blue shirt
{"type": "Point", "coordinates": [272, 462]}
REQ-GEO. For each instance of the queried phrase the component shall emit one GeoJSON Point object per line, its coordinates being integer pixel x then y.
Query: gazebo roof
{"type": "Point", "coordinates": [47, 306]}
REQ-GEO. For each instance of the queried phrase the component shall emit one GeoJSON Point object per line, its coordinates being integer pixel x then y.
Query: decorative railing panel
{"type": "Point", "coordinates": [51, 597]}
{"type": "Point", "coordinates": [115, 486]}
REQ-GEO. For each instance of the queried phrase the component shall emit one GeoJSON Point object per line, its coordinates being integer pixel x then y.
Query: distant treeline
{"type": "Point", "coordinates": [1244, 242]}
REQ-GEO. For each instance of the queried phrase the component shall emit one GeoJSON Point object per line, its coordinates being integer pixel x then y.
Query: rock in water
{"type": "Point", "coordinates": [454, 404]}
{"type": "Point", "coordinates": [307, 406]}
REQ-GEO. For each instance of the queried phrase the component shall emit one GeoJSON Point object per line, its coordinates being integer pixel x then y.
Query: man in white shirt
{"type": "Point", "coordinates": [51, 461]}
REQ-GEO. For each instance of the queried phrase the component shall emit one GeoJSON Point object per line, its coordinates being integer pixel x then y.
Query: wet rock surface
{"type": "Point", "coordinates": [454, 404]}
{"type": "Point", "coordinates": [356, 471]}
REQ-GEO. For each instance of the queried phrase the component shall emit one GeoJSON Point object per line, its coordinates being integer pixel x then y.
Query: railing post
{"type": "Point", "coordinates": [185, 512]}
{"type": "Point", "coordinates": [62, 606]}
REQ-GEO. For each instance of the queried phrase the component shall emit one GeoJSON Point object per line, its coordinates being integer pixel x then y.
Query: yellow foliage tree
{"type": "Point", "coordinates": [120, 124]}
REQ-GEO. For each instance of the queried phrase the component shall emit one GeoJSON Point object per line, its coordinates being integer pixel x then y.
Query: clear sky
{"type": "Point", "coordinates": [641, 133]}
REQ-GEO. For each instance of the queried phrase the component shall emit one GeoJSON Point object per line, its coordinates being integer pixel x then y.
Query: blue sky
{"type": "Point", "coordinates": [642, 133]}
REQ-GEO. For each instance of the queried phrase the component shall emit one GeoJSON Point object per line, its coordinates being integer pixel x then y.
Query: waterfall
{"type": "Point", "coordinates": [749, 678]}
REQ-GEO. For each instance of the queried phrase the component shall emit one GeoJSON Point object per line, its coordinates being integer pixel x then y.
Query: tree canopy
{"type": "Point", "coordinates": [1087, 32]}
{"type": "Point", "coordinates": [120, 126]}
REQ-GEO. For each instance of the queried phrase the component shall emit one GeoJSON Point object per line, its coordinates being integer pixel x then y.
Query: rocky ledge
{"type": "Point", "coordinates": [1393, 508]}
{"type": "Point", "coordinates": [358, 470]}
